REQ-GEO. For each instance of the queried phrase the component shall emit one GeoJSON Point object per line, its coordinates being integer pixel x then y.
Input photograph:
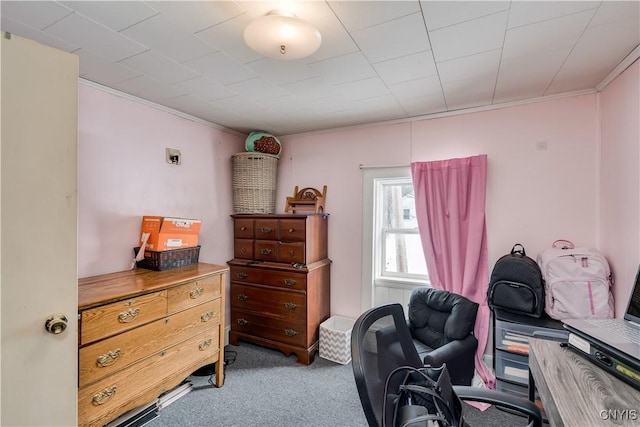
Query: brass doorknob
{"type": "Point", "coordinates": [56, 323]}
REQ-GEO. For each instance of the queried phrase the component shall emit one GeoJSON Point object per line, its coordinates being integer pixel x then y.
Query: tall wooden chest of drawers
{"type": "Point", "coordinates": [280, 278]}
{"type": "Point", "coordinates": [142, 332]}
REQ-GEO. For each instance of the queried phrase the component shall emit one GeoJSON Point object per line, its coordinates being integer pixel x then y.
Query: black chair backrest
{"type": "Point", "coordinates": [380, 343]}
{"type": "Point", "coordinates": [439, 317]}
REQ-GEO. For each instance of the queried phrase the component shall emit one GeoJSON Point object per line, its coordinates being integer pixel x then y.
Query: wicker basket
{"type": "Point", "coordinates": [254, 183]}
{"type": "Point", "coordinates": [166, 260]}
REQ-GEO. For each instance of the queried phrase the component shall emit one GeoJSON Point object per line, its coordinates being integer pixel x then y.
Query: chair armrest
{"type": "Point", "coordinates": [445, 353]}
{"type": "Point", "coordinates": [499, 398]}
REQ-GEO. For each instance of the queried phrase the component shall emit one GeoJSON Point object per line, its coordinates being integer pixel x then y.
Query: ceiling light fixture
{"type": "Point", "coordinates": [281, 35]}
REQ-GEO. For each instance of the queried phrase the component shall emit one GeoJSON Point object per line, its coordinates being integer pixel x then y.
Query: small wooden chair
{"type": "Point", "coordinates": [307, 199]}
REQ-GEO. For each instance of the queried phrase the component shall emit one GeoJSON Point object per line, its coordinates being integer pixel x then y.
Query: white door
{"type": "Point", "coordinates": [38, 262]}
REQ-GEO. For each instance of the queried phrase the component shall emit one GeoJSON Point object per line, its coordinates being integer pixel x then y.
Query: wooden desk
{"type": "Point", "coordinates": [575, 392]}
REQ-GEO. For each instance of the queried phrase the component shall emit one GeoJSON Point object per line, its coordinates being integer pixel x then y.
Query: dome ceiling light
{"type": "Point", "coordinates": [282, 35]}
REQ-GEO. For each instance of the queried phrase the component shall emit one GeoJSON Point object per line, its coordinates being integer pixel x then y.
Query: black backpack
{"type": "Point", "coordinates": [516, 284]}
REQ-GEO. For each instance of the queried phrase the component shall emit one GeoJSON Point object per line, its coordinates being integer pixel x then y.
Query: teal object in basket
{"type": "Point", "coordinates": [263, 142]}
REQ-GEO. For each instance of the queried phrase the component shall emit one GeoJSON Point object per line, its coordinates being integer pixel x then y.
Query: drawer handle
{"type": "Point", "coordinates": [129, 315]}
{"type": "Point", "coordinates": [243, 322]}
{"type": "Point", "coordinates": [196, 293]}
{"type": "Point", "coordinates": [204, 344]}
{"type": "Point", "coordinates": [292, 252]}
{"type": "Point", "coordinates": [265, 251]}
{"type": "Point", "coordinates": [266, 229]}
{"type": "Point", "coordinates": [109, 358]}
{"type": "Point", "coordinates": [290, 305]}
{"type": "Point", "coordinates": [103, 396]}
{"type": "Point", "coordinates": [291, 230]}
{"type": "Point", "coordinates": [242, 275]}
{"type": "Point", "coordinates": [289, 282]}
{"type": "Point", "coordinates": [207, 316]}
{"type": "Point", "coordinates": [243, 250]}
{"type": "Point", "coordinates": [242, 297]}
{"type": "Point", "coordinates": [243, 228]}
{"type": "Point", "coordinates": [290, 332]}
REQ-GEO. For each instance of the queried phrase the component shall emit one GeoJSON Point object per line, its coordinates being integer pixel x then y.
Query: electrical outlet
{"type": "Point", "coordinates": [173, 156]}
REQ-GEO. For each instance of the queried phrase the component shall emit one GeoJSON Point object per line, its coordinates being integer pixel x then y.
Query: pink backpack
{"type": "Point", "coordinates": [577, 282]}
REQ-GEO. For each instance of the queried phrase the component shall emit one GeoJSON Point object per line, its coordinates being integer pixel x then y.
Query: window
{"type": "Point", "coordinates": [399, 256]}
{"type": "Point", "coordinates": [393, 261]}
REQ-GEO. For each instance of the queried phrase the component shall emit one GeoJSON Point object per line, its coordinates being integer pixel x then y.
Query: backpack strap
{"type": "Point", "coordinates": [563, 244]}
{"type": "Point", "coordinates": [518, 251]}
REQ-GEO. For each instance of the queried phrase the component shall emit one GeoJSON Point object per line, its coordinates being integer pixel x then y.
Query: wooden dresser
{"type": "Point", "coordinates": [143, 332]}
{"type": "Point", "coordinates": [280, 278]}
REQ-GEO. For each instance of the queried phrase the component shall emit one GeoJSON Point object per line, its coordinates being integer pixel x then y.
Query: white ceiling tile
{"type": "Point", "coordinates": [204, 89]}
{"type": "Point", "coordinates": [363, 89]}
{"type": "Point", "coordinates": [336, 41]}
{"type": "Point", "coordinates": [284, 104]}
{"type": "Point", "coordinates": [605, 42]}
{"type": "Point", "coordinates": [356, 15]}
{"type": "Point", "coordinates": [146, 88]}
{"type": "Point", "coordinates": [161, 35]}
{"type": "Point", "coordinates": [98, 70]}
{"type": "Point", "coordinates": [257, 88]}
{"type": "Point", "coordinates": [94, 38]}
{"type": "Point", "coordinates": [527, 77]}
{"type": "Point", "coordinates": [159, 68]}
{"type": "Point", "coordinates": [393, 39]}
{"type": "Point", "coordinates": [481, 64]}
{"type": "Point", "coordinates": [194, 16]}
{"type": "Point", "coordinates": [469, 38]}
{"type": "Point", "coordinates": [15, 27]}
{"type": "Point", "coordinates": [552, 34]}
{"type": "Point", "coordinates": [422, 105]}
{"type": "Point", "coordinates": [614, 11]}
{"type": "Point", "coordinates": [35, 14]}
{"type": "Point", "coordinates": [228, 37]}
{"type": "Point", "coordinates": [311, 89]}
{"type": "Point", "coordinates": [116, 15]}
{"type": "Point", "coordinates": [416, 88]}
{"type": "Point", "coordinates": [440, 14]}
{"type": "Point", "coordinates": [410, 67]}
{"type": "Point", "coordinates": [343, 69]}
{"type": "Point", "coordinates": [282, 72]}
{"type": "Point", "coordinates": [238, 104]}
{"type": "Point", "coordinates": [469, 93]}
{"type": "Point", "coordinates": [529, 12]}
{"type": "Point", "coordinates": [221, 68]}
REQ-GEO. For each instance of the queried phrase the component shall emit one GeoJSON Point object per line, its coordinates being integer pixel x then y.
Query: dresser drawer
{"type": "Point", "coordinates": [290, 305]}
{"type": "Point", "coordinates": [291, 252]}
{"type": "Point", "coordinates": [293, 230]}
{"type": "Point", "coordinates": [266, 229]}
{"type": "Point", "coordinates": [278, 330]}
{"type": "Point", "coordinates": [105, 357]}
{"type": "Point", "coordinates": [281, 279]}
{"type": "Point", "coordinates": [100, 322]}
{"type": "Point", "coordinates": [266, 250]}
{"type": "Point", "coordinates": [243, 248]}
{"type": "Point", "coordinates": [195, 292]}
{"type": "Point", "coordinates": [100, 400]}
{"type": "Point", "coordinates": [243, 228]}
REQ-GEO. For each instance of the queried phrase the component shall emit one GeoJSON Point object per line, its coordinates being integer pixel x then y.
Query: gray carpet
{"type": "Point", "coordinates": [263, 388]}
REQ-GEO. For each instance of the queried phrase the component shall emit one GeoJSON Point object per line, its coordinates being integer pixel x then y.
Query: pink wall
{"type": "Point", "coordinates": [122, 175]}
{"type": "Point", "coordinates": [534, 196]}
{"type": "Point", "coordinates": [620, 192]}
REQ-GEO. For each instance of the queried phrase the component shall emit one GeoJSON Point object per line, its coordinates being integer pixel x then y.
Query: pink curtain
{"type": "Point", "coordinates": [450, 206]}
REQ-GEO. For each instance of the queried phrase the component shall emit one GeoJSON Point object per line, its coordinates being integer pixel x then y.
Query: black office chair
{"type": "Point", "coordinates": [441, 324]}
{"type": "Point", "coordinates": [381, 343]}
